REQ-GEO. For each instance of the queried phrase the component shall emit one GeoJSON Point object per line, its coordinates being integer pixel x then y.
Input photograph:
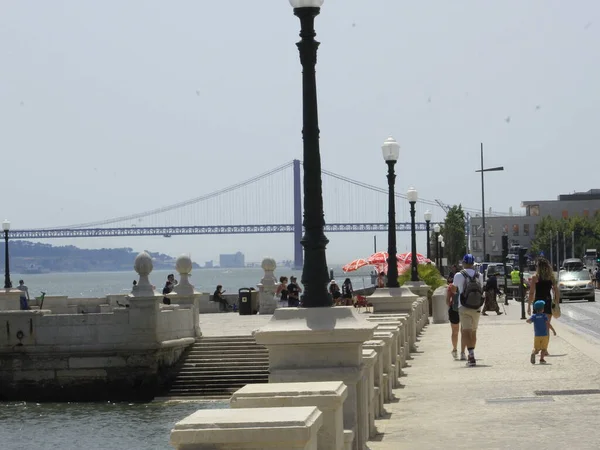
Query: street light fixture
{"type": "Point", "coordinates": [314, 273]}
{"type": "Point", "coordinates": [412, 195]}
{"type": "Point", "coordinates": [427, 217]}
{"type": "Point", "coordinates": [391, 152]}
{"type": "Point", "coordinates": [436, 231]}
{"type": "Point", "coordinates": [6, 229]}
{"type": "Point", "coordinates": [482, 170]}
{"type": "Point", "coordinates": [442, 245]}
{"type": "Point", "coordinates": [440, 239]}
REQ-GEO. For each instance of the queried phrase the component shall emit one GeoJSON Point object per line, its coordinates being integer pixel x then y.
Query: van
{"type": "Point", "coordinates": [573, 264]}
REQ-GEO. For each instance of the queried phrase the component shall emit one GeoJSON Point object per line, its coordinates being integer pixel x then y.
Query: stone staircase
{"type": "Point", "coordinates": [216, 367]}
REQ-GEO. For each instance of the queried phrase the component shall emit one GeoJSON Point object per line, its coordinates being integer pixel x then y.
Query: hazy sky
{"type": "Point", "coordinates": [111, 108]}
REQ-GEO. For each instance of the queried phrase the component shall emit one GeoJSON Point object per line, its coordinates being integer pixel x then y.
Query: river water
{"type": "Point", "coordinates": [107, 426]}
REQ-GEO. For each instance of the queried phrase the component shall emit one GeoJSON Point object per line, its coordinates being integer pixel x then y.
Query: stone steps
{"type": "Point", "coordinates": [216, 367]}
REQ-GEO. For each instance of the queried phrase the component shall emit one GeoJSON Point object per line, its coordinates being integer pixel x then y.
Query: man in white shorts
{"type": "Point", "coordinates": [469, 318]}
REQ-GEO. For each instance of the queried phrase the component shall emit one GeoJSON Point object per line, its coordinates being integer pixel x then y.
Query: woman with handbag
{"type": "Point", "coordinates": [543, 287]}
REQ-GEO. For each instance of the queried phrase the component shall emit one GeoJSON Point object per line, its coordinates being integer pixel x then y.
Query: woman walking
{"type": "Point", "coordinates": [491, 291]}
{"type": "Point", "coordinates": [543, 287]}
{"type": "Point", "coordinates": [347, 292]}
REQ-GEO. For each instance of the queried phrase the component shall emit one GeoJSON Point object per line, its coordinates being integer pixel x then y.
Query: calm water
{"type": "Point", "coordinates": [99, 284]}
{"type": "Point", "coordinates": [92, 426]}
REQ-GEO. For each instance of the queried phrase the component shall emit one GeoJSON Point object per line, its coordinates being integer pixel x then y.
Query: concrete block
{"type": "Point", "coordinates": [33, 375]}
{"type": "Point", "coordinates": [327, 396]}
{"type": "Point", "coordinates": [96, 362]}
{"type": "Point", "coordinates": [265, 428]}
{"type": "Point", "coordinates": [80, 373]}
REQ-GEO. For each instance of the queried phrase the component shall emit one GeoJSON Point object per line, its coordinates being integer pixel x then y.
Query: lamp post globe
{"type": "Point", "coordinates": [391, 152]}
{"type": "Point", "coordinates": [412, 195]}
{"type": "Point", "coordinates": [440, 239]}
{"type": "Point", "coordinates": [436, 230]}
{"type": "Point", "coordinates": [315, 276]}
{"type": "Point", "coordinates": [427, 216]}
{"type": "Point", "coordinates": [6, 229]}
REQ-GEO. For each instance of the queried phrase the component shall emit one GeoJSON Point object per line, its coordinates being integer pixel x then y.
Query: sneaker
{"type": "Point", "coordinates": [542, 361]}
{"type": "Point", "coordinates": [499, 313]}
{"type": "Point", "coordinates": [532, 359]}
{"type": "Point", "coordinates": [471, 362]}
{"type": "Point", "coordinates": [463, 357]}
{"type": "Point", "coordinates": [454, 354]}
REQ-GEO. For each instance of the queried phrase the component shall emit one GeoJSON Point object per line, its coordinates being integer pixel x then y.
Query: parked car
{"type": "Point", "coordinates": [576, 285]}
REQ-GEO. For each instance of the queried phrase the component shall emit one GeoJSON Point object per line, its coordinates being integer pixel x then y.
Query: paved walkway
{"type": "Point", "coordinates": [446, 405]}
{"type": "Point", "coordinates": [231, 324]}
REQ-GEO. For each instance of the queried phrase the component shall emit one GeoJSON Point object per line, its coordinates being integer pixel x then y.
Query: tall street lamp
{"type": "Point", "coordinates": [391, 151]}
{"type": "Point", "coordinates": [314, 273]}
{"type": "Point", "coordinates": [6, 228]}
{"type": "Point", "coordinates": [440, 239]}
{"type": "Point", "coordinates": [427, 216]}
{"type": "Point", "coordinates": [436, 230]}
{"type": "Point", "coordinates": [442, 245]}
{"type": "Point", "coordinates": [482, 170]}
{"type": "Point", "coordinates": [412, 195]}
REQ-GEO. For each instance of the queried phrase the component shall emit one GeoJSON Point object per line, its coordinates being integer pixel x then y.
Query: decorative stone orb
{"type": "Point", "coordinates": [143, 264]}
{"type": "Point", "coordinates": [268, 264]}
{"type": "Point", "coordinates": [183, 265]}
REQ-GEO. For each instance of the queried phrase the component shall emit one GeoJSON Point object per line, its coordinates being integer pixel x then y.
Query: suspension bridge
{"type": "Point", "coordinates": [262, 204]}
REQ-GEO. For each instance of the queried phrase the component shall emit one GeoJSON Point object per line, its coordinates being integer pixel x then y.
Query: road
{"type": "Point", "coordinates": [582, 315]}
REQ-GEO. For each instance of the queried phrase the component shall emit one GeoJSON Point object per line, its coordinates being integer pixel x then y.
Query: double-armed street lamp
{"type": "Point", "coordinates": [436, 231]}
{"type": "Point", "coordinates": [314, 272]}
{"type": "Point", "coordinates": [412, 195]}
{"type": "Point", "coordinates": [6, 229]}
{"type": "Point", "coordinates": [391, 152]}
{"type": "Point", "coordinates": [482, 170]}
{"type": "Point", "coordinates": [427, 217]}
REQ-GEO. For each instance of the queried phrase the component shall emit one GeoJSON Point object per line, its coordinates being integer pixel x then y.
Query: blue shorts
{"type": "Point", "coordinates": [24, 303]}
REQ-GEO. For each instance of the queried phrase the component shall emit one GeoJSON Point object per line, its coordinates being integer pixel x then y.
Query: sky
{"type": "Point", "coordinates": [112, 108]}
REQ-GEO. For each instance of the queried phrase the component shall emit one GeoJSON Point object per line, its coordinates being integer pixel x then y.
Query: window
{"type": "Point", "coordinates": [474, 230]}
{"type": "Point", "coordinates": [476, 245]}
{"type": "Point", "coordinates": [526, 229]}
{"type": "Point", "coordinates": [535, 229]}
{"type": "Point", "coordinates": [490, 230]}
{"type": "Point", "coordinates": [533, 210]}
{"type": "Point", "coordinates": [565, 214]}
{"type": "Point", "coordinates": [505, 229]}
{"type": "Point", "coordinates": [494, 246]}
{"type": "Point", "coordinates": [515, 229]}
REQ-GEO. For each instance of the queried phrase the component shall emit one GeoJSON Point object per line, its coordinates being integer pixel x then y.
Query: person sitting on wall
{"type": "Point", "coordinates": [220, 298]}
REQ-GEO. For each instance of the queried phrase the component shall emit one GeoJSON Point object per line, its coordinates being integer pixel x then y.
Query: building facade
{"type": "Point", "coordinates": [232, 260]}
{"type": "Point", "coordinates": [521, 229]}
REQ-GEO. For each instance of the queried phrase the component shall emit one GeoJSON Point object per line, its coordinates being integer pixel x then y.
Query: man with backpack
{"type": "Point", "coordinates": [469, 284]}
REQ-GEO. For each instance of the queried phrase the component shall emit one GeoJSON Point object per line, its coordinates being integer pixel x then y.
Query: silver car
{"type": "Point", "coordinates": [576, 285]}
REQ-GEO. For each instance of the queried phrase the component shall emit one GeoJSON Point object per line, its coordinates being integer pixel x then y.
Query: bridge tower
{"type": "Point", "coordinates": [298, 250]}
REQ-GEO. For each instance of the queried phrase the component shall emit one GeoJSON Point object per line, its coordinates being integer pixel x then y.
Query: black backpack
{"type": "Point", "coordinates": [472, 293]}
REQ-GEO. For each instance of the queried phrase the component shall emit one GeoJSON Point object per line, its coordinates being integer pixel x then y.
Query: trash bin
{"type": "Point", "coordinates": [245, 301]}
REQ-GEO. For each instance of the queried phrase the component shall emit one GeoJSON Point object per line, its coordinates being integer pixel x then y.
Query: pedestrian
{"type": "Point", "coordinates": [543, 287]}
{"type": "Point", "coordinates": [347, 292]}
{"type": "Point", "coordinates": [169, 286]}
{"type": "Point", "coordinates": [541, 336]}
{"type": "Point", "coordinates": [293, 293]}
{"type": "Point", "coordinates": [282, 293]}
{"type": "Point", "coordinates": [220, 298]}
{"type": "Point", "coordinates": [491, 291]}
{"type": "Point", "coordinates": [381, 281]}
{"type": "Point", "coordinates": [597, 277]}
{"type": "Point", "coordinates": [334, 291]}
{"type": "Point", "coordinates": [23, 296]}
{"type": "Point", "coordinates": [452, 302]}
{"type": "Point", "coordinates": [468, 284]}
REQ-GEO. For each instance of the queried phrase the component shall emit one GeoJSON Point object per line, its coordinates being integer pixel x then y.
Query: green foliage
{"type": "Point", "coordinates": [587, 234]}
{"type": "Point", "coordinates": [453, 231]}
{"type": "Point", "coordinates": [428, 273]}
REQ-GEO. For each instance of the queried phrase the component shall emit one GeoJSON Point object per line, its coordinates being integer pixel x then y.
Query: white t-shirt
{"type": "Point", "coordinates": [459, 281]}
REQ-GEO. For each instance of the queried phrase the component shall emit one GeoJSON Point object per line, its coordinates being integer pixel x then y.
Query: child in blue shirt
{"type": "Point", "coordinates": [541, 325]}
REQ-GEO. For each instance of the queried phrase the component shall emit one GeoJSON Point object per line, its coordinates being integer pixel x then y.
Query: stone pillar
{"type": "Point", "coordinates": [320, 344]}
{"type": "Point", "coordinates": [186, 294]}
{"type": "Point", "coordinates": [369, 358]}
{"type": "Point", "coordinates": [267, 303]}
{"type": "Point", "coordinates": [420, 289]}
{"type": "Point", "coordinates": [439, 305]}
{"type": "Point", "coordinates": [251, 429]}
{"type": "Point", "coordinates": [396, 348]}
{"type": "Point", "coordinates": [328, 396]}
{"type": "Point", "coordinates": [397, 300]}
{"type": "Point", "coordinates": [378, 381]}
{"type": "Point", "coordinates": [143, 303]}
{"type": "Point", "coordinates": [9, 300]}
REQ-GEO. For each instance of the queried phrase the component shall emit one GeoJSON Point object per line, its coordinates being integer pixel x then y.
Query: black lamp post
{"type": "Point", "coordinates": [6, 229]}
{"type": "Point", "coordinates": [314, 271]}
{"type": "Point", "coordinates": [436, 230]}
{"type": "Point", "coordinates": [391, 152]}
{"type": "Point", "coordinates": [412, 195]}
{"type": "Point", "coordinates": [482, 170]}
{"type": "Point", "coordinates": [427, 216]}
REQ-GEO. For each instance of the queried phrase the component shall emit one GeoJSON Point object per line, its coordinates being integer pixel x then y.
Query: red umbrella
{"type": "Point", "coordinates": [406, 258]}
{"type": "Point", "coordinates": [355, 265]}
{"type": "Point", "coordinates": [379, 258]}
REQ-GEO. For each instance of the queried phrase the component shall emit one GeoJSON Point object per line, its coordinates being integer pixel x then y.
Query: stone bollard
{"type": "Point", "coordinates": [186, 294]}
{"type": "Point", "coordinates": [327, 396]}
{"type": "Point", "coordinates": [389, 369]}
{"type": "Point", "coordinates": [379, 381]}
{"type": "Point", "coordinates": [400, 320]}
{"type": "Point", "coordinates": [396, 348]}
{"type": "Point", "coordinates": [321, 344]}
{"type": "Point", "coordinates": [438, 303]}
{"type": "Point", "coordinates": [267, 303]}
{"type": "Point", "coordinates": [251, 429]}
{"type": "Point", "coordinates": [370, 359]}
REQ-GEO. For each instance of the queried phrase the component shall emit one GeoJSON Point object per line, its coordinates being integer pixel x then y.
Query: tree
{"type": "Point", "coordinates": [586, 231]}
{"type": "Point", "coordinates": [453, 231]}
